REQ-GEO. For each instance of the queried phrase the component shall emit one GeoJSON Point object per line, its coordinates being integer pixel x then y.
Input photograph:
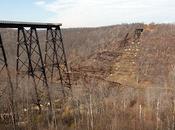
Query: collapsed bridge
{"type": "Point", "coordinates": [30, 60]}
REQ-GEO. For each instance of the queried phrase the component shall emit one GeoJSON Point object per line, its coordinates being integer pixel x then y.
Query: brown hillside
{"type": "Point", "coordinates": [118, 82]}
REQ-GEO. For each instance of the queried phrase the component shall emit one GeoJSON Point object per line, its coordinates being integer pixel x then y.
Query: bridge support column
{"type": "Point", "coordinates": [55, 58]}
{"type": "Point", "coordinates": [30, 62]}
{"type": "Point", "coordinates": [10, 87]}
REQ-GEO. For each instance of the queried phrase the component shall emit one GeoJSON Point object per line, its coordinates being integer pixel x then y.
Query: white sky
{"type": "Point", "coordinates": [85, 13]}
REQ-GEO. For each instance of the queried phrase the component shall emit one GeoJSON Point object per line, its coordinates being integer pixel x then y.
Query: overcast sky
{"type": "Point", "coordinates": [85, 13]}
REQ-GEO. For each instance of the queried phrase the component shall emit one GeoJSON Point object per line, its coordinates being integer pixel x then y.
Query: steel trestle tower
{"type": "Point", "coordinates": [55, 58]}
{"type": "Point", "coordinates": [30, 61]}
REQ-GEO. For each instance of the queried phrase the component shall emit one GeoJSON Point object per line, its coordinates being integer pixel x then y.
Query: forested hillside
{"type": "Point", "coordinates": [118, 81]}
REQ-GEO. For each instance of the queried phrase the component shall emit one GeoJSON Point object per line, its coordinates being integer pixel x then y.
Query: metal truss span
{"type": "Point", "coordinates": [15, 24]}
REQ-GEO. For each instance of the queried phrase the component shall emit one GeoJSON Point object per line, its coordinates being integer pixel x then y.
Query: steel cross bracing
{"type": "Point", "coordinates": [24, 66]}
{"type": "Point", "coordinates": [30, 61]}
{"type": "Point", "coordinates": [55, 58]}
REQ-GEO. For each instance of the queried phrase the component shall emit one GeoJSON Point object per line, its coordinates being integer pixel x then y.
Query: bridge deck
{"type": "Point", "coordinates": [16, 24]}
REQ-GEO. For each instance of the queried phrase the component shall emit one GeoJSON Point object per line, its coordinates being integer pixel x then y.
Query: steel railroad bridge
{"type": "Point", "coordinates": [30, 60]}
